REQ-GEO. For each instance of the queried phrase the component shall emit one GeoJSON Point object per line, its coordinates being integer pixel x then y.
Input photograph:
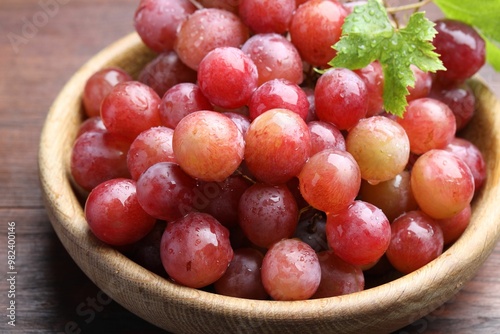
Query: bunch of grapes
{"type": "Point", "coordinates": [229, 164]}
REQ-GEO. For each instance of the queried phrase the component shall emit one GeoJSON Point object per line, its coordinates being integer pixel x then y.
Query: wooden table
{"type": "Point", "coordinates": [42, 42]}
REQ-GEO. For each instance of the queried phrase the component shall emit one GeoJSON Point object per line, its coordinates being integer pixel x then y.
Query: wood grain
{"type": "Point", "coordinates": [53, 291]}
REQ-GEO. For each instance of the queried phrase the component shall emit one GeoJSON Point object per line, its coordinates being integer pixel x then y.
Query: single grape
{"type": "Point", "coordinates": [208, 145]}
{"type": "Point", "coordinates": [275, 57]}
{"type": "Point", "coordinates": [165, 71]}
{"type": "Point", "coordinates": [359, 234]}
{"type": "Point", "coordinates": [324, 136]}
{"type": "Point", "coordinates": [311, 229]}
{"type": "Point", "coordinates": [330, 180]}
{"type": "Point", "coordinates": [180, 100]}
{"type": "Point", "coordinates": [455, 226]}
{"type": "Point", "coordinates": [91, 124]}
{"type": "Point", "coordinates": [165, 191]}
{"type": "Point", "coordinates": [291, 270]}
{"type": "Point", "coordinates": [341, 97]}
{"type": "Point", "coordinates": [429, 124]}
{"type": "Point", "coordinates": [267, 214]}
{"type": "Point", "coordinates": [380, 146]}
{"type": "Point", "coordinates": [416, 240]}
{"type": "Point", "coordinates": [205, 30]}
{"type": "Point", "coordinates": [242, 121]}
{"type": "Point", "coordinates": [227, 77]}
{"type": "Point", "coordinates": [98, 156]}
{"type": "Point", "coordinates": [146, 252]}
{"type": "Point", "coordinates": [338, 277]}
{"type": "Point", "coordinates": [278, 93]}
{"type": "Point", "coordinates": [442, 184]}
{"type": "Point", "coordinates": [99, 85]}
{"type": "Point", "coordinates": [229, 5]}
{"type": "Point", "coordinates": [278, 144]}
{"type": "Point", "coordinates": [373, 76]}
{"type": "Point", "coordinates": [156, 21]}
{"type": "Point", "coordinates": [130, 108]}
{"type": "Point", "coordinates": [267, 16]}
{"type": "Point", "coordinates": [242, 278]}
{"type": "Point", "coordinates": [460, 99]}
{"type": "Point", "coordinates": [149, 147]}
{"type": "Point", "coordinates": [317, 25]}
{"type": "Point", "coordinates": [195, 250]}
{"type": "Point", "coordinates": [422, 86]}
{"type": "Point", "coordinates": [114, 215]}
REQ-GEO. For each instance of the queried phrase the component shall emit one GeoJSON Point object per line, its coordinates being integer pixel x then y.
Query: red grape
{"type": "Point", "coordinates": [373, 76]}
{"type": "Point", "coordinates": [324, 136]}
{"type": "Point", "coordinates": [453, 227]}
{"type": "Point", "coordinates": [460, 99]}
{"type": "Point", "coordinates": [267, 16]}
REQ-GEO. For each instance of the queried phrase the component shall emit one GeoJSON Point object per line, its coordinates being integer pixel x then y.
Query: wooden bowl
{"type": "Point", "coordinates": [180, 309]}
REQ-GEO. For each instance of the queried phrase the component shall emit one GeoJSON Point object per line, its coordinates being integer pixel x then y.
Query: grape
{"type": "Point", "coordinates": [205, 30]}
{"type": "Point", "coordinates": [242, 278]}
{"type": "Point", "coordinates": [114, 215]}
{"type": "Point", "coordinates": [92, 124]}
{"type": "Point", "coordinates": [472, 156]}
{"type": "Point", "coordinates": [267, 214]}
{"type": "Point", "coordinates": [429, 124]}
{"type": "Point", "coordinates": [461, 49]}
{"type": "Point", "coordinates": [278, 93]}
{"type": "Point", "coordinates": [156, 21]}
{"type": "Point", "coordinates": [460, 99]}
{"type": "Point", "coordinates": [146, 251]}
{"type": "Point", "coordinates": [422, 86]}
{"type": "Point", "coordinates": [221, 200]}
{"type": "Point", "coordinates": [195, 250]}
{"type": "Point", "coordinates": [453, 227]}
{"type": "Point", "coordinates": [180, 100]}
{"type": "Point", "coordinates": [149, 147]}
{"type": "Point", "coordinates": [325, 136]}
{"type": "Point", "coordinates": [380, 146]}
{"type": "Point", "coordinates": [311, 115]}
{"type": "Point", "coordinates": [165, 71]}
{"type": "Point", "coordinates": [341, 98]}
{"type": "Point", "coordinates": [130, 108]}
{"type": "Point", "coordinates": [315, 27]}
{"type": "Point", "coordinates": [373, 76]}
{"type": "Point", "coordinates": [416, 240]}
{"type": "Point", "coordinates": [291, 270]}
{"type": "Point", "coordinates": [330, 180]}
{"type": "Point", "coordinates": [97, 157]}
{"type": "Point", "coordinates": [99, 85]}
{"type": "Point", "coordinates": [165, 192]}
{"type": "Point", "coordinates": [311, 229]}
{"type": "Point", "coordinates": [227, 77]}
{"type": "Point", "coordinates": [275, 58]}
{"type": "Point", "coordinates": [278, 144]}
{"type": "Point", "coordinates": [359, 234]}
{"type": "Point", "coordinates": [442, 184]}
{"type": "Point", "coordinates": [267, 16]}
{"type": "Point", "coordinates": [394, 197]}
{"type": "Point", "coordinates": [229, 5]}
{"type": "Point", "coordinates": [241, 121]}
{"type": "Point", "coordinates": [337, 276]}
{"type": "Point", "coordinates": [208, 145]}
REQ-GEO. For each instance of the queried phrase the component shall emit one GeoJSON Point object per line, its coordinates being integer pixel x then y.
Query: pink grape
{"type": "Point", "coordinates": [229, 5]}
{"type": "Point", "coordinates": [156, 21]}
{"type": "Point", "coordinates": [341, 97]}
{"type": "Point", "coordinates": [416, 240]}
{"type": "Point", "coordinates": [380, 146]}
{"type": "Point", "coordinates": [373, 76]}
{"type": "Point", "coordinates": [92, 124]}
{"type": "Point", "coordinates": [278, 144]}
{"type": "Point", "coordinates": [165, 191]}
{"type": "Point", "coordinates": [130, 108]}
{"type": "Point", "coordinates": [423, 84]}
{"type": "Point", "coordinates": [114, 214]}
{"type": "Point", "coordinates": [291, 270]}
{"type": "Point", "coordinates": [195, 250]}
{"type": "Point", "coordinates": [275, 57]}
{"type": "Point", "coordinates": [180, 100]}
{"type": "Point", "coordinates": [442, 184]}
{"type": "Point", "coordinates": [460, 99]}
{"type": "Point", "coordinates": [205, 30]}
{"type": "Point", "coordinates": [267, 214]}
{"type": "Point", "coordinates": [99, 85]}
{"type": "Point", "coordinates": [330, 180]}
{"type": "Point", "coordinates": [149, 147]}
{"type": "Point", "coordinates": [208, 145]}
{"type": "Point", "coordinates": [227, 77]}
{"type": "Point", "coordinates": [278, 93]}
{"type": "Point", "coordinates": [241, 121]}
{"type": "Point", "coordinates": [324, 136]}
{"type": "Point", "coordinates": [267, 16]}
{"type": "Point", "coordinates": [359, 234]}
{"type": "Point", "coordinates": [455, 226]}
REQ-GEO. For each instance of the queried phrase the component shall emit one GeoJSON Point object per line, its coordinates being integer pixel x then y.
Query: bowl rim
{"type": "Point", "coordinates": [418, 293]}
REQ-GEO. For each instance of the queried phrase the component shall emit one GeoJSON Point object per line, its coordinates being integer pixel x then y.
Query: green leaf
{"type": "Point", "coordinates": [483, 15]}
{"type": "Point", "coordinates": [368, 35]}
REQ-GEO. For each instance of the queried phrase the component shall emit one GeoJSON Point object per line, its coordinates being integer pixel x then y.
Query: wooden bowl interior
{"type": "Point", "coordinates": [184, 310]}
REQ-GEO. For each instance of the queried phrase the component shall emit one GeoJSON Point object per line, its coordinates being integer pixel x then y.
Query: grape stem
{"type": "Point", "coordinates": [417, 5]}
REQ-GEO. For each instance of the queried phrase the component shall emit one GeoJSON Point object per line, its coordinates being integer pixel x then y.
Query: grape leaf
{"type": "Point", "coordinates": [368, 35]}
{"type": "Point", "coordinates": [483, 15]}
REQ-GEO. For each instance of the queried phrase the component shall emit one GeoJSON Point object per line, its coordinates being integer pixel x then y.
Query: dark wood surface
{"type": "Point", "coordinates": [42, 42]}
